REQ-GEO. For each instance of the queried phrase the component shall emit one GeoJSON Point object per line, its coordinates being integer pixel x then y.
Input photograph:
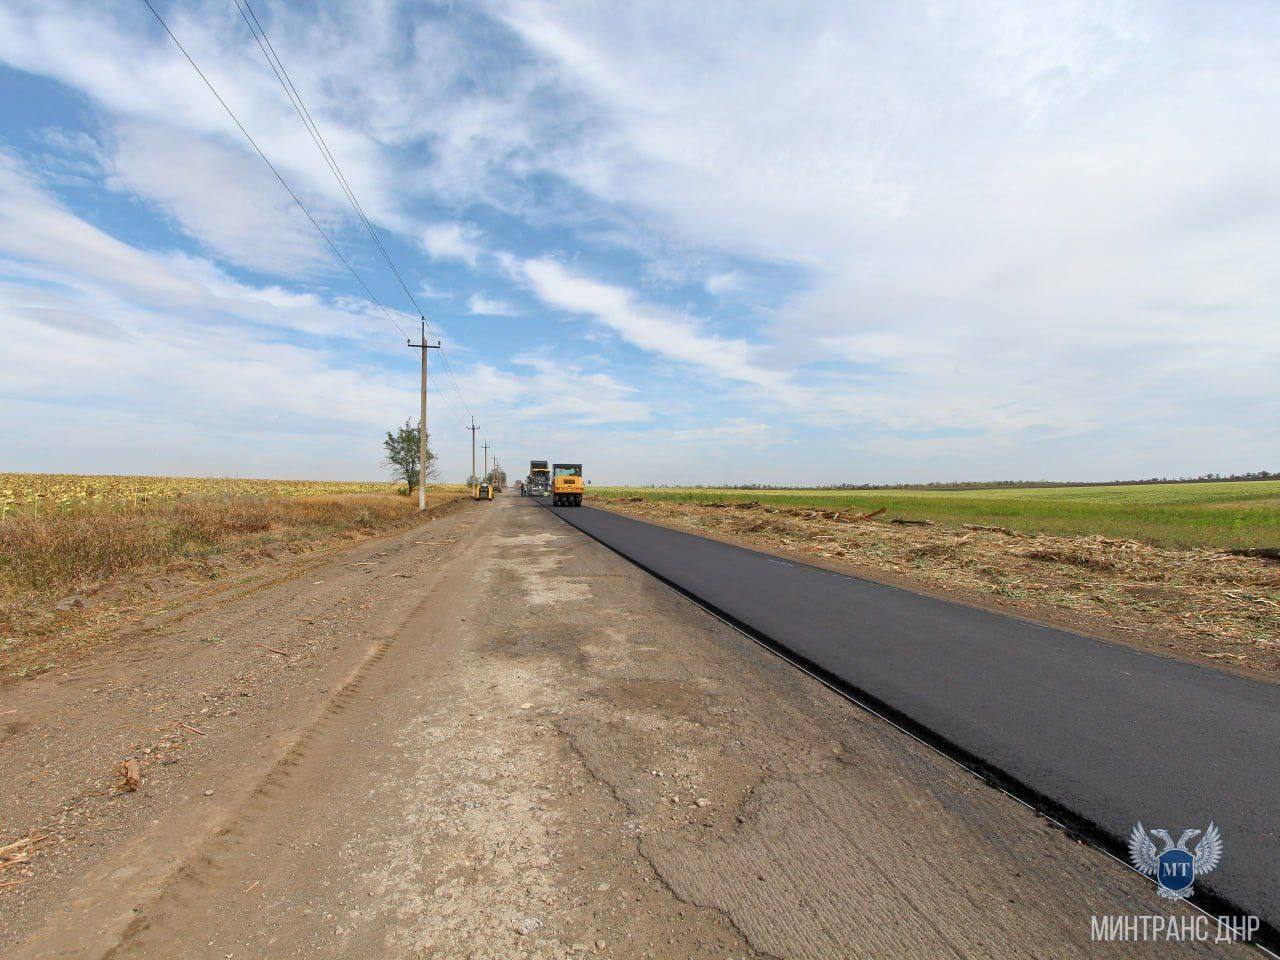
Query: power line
{"type": "Point", "coordinates": [308, 121]}
{"type": "Point", "coordinates": [295, 98]}
{"type": "Point", "coordinates": [449, 370]}
{"type": "Point", "coordinates": [304, 114]}
{"type": "Point", "coordinates": [283, 182]}
{"type": "Point", "coordinates": [444, 396]}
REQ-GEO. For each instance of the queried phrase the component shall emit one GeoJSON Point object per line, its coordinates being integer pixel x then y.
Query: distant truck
{"type": "Point", "coordinates": [567, 485]}
{"type": "Point", "coordinates": [538, 483]}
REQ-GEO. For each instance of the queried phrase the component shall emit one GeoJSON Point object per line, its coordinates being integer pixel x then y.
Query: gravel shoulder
{"type": "Point", "coordinates": [491, 737]}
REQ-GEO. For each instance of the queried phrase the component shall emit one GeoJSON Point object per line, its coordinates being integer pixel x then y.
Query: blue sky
{"type": "Point", "coordinates": [678, 242]}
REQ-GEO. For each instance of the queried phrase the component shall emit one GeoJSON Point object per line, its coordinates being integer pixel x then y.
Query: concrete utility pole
{"type": "Point", "coordinates": [422, 419]}
{"type": "Point", "coordinates": [472, 481]}
{"type": "Point", "coordinates": [486, 457]}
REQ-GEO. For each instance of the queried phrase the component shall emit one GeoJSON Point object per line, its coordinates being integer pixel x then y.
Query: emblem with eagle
{"type": "Point", "coordinates": [1175, 867]}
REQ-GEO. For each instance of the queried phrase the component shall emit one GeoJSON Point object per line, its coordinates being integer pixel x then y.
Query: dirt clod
{"type": "Point", "coordinates": [131, 775]}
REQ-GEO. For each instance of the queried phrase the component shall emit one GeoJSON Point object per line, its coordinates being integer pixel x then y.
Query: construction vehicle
{"type": "Point", "coordinates": [567, 485]}
{"type": "Point", "coordinates": [538, 483]}
{"type": "Point", "coordinates": [484, 491]}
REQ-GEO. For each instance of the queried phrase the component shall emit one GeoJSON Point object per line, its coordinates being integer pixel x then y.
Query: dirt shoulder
{"type": "Point", "coordinates": [74, 585]}
{"type": "Point", "coordinates": [201, 695]}
{"type": "Point", "coordinates": [1199, 605]}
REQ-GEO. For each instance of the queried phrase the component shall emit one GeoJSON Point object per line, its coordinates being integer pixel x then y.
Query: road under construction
{"type": "Point", "coordinates": [543, 749]}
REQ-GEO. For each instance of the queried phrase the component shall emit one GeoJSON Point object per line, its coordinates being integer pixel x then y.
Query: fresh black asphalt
{"type": "Point", "coordinates": [1108, 734]}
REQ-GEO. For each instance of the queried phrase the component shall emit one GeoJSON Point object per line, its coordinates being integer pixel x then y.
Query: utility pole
{"type": "Point", "coordinates": [486, 457]}
{"type": "Point", "coordinates": [472, 481]}
{"type": "Point", "coordinates": [422, 419]}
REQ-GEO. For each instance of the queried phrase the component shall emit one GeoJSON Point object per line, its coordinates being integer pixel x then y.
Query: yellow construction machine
{"type": "Point", "coordinates": [566, 485]}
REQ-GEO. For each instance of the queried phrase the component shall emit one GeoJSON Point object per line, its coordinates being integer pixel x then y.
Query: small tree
{"type": "Point", "coordinates": [402, 454]}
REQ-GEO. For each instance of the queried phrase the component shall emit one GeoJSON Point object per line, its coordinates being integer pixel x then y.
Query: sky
{"type": "Point", "coordinates": [680, 243]}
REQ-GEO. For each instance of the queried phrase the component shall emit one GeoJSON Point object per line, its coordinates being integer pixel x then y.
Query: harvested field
{"type": "Point", "coordinates": [47, 493]}
{"type": "Point", "coordinates": [70, 576]}
{"type": "Point", "coordinates": [1198, 603]}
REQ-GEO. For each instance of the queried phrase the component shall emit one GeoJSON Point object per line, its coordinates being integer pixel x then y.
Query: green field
{"type": "Point", "coordinates": [1227, 515]}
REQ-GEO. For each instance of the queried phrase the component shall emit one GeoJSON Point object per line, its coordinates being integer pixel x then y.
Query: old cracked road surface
{"type": "Point", "coordinates": [492, 737]}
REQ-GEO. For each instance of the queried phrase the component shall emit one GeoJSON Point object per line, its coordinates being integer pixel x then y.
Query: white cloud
{"type": "Point", "coordinates": [552, 392]}
{"type": "Point", "coordinates": [653, 329]}
{"type": "Point", "coordinates": [412, 106]}
{"type": "Point", "coordinates": [481, 305]}
{"type": "Point", "coordinates": [120, 59]}
{"type": "Point", "coordinates": [434, 292]}
{"type": "Point", "coordinates": [35, 228]}
{"type": "Point", "coordinates": [734, 432]}
{"type": "Point", "coordinates": [224, 197]}
{"type": "Point", "coordinates": [452, 241]}
{"type": "Point", "coordinates": [719, 284]}
{"type": "Point", "coordinates": [56, 247]}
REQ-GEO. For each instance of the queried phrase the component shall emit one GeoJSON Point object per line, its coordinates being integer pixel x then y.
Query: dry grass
{"type": "Point", "coordinates": [49, 493]}
{"type": "Point", "coordinates": [1197, 602]}
{"type": "Point", "coordinates": [55, 565]}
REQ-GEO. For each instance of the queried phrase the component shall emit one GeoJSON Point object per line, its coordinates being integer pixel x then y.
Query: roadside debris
{"type": "Point", "coordinates": [17, 853]}
{"type": "Point", "coordinates": [14, 852]}
{"type": "Point", "coordinates": [1263, 553]}
{"type": "Point", "coordinates": [131, 775]}
{"type": "Point", "coordinates": [527, 925]}
{"type": "Point", "coordinates": [983, 528]}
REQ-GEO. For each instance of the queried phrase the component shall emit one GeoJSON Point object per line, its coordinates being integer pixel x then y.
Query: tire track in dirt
{"type": "Point", "coordinates": [187, 886]}
{"type": "Point", "coordinates": [191, 880]}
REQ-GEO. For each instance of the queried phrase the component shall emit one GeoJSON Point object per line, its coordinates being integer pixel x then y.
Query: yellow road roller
{"type": "Point", "coordinates": [566, 485]}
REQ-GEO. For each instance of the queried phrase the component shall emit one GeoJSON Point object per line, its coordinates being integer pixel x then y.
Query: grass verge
{"type": "Point", "coordinates": [1236, 515]}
